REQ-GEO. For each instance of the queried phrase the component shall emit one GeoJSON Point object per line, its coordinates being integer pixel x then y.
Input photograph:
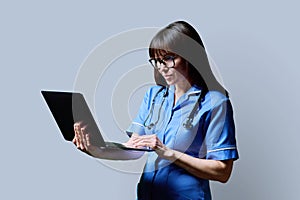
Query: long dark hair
{"type": "Point", "coordinates": [182, 39]}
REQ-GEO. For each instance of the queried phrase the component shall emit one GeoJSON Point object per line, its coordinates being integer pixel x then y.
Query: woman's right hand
{"type": "Point", "coordinates": [82, 139]}
{"type": "Point", "coordinates": [82, 142]}
{"type": "Point", "coordinates": [131, 142]}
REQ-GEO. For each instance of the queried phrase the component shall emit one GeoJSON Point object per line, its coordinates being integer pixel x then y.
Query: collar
{"type": "Point", "coordinates": [192, 93]}
{"type": "Point", "coordinates": [194, 90]}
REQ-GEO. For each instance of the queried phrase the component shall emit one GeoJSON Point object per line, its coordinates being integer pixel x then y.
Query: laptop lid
{"type": "Point", "coordinates": [68, 108]}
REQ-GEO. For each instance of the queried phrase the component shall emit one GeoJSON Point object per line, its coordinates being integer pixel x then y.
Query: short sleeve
{"type": "Point", "coordinates": [220, 141]}
{"type": "Point", "coordinates": [137, 125]}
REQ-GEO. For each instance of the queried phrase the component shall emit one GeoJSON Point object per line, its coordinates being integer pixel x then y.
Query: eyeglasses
{"type": "Point", "coordinates": [168, 61]}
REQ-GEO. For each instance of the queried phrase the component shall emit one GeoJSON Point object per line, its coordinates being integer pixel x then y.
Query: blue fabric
{"type": "Point", "coordinates": [212, 136]}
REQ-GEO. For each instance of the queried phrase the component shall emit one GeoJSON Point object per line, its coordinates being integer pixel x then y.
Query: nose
{"type": "Point", "coordinates": [163, 68]}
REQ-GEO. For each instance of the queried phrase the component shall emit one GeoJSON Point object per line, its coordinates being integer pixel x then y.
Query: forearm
{"type": "Point", "coordinates": [115, 154]}
{"type": "Point", "coordinates": [201, 168]}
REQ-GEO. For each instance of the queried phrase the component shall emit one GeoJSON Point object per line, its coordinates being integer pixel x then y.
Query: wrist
{"type": "Point", "coordinates": [169, 154]}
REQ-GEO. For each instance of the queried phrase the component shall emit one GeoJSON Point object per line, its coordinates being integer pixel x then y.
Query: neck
{"type": "Point", "coordinates": [182, 87]}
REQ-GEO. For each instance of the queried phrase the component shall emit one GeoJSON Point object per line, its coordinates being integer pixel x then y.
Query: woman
{"type": "Point", "coordinates": [187, 119]}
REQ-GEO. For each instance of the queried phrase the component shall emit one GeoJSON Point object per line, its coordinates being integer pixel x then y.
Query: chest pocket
{"type": "Point", "coordinates": [190, 140]}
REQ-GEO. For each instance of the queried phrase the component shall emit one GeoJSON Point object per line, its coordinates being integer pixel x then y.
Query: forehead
{"type": "Point", "coordinates": [159, 53]}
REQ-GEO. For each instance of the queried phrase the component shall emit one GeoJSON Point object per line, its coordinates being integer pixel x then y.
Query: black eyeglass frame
{"type": "Point", "coordinates": [162, 61]}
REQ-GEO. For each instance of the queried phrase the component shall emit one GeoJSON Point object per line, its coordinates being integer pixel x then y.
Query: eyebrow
{"type": "Point", "coordinates": [163, 56]}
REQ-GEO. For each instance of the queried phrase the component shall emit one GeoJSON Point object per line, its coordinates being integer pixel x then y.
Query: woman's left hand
{"type": "Point", "coordinates": [207, 169]}
{"type": "Point", "coordinates": [154, 143]}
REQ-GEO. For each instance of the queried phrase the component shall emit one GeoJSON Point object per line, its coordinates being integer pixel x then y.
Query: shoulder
{"type": "Point", "coordinates": [215, 99]}
{"type": "Point", "coordinates": [155, 90]}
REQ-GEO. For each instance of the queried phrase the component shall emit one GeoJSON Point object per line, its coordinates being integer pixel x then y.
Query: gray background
{"type": "Point", "coordinates": [43, 44]}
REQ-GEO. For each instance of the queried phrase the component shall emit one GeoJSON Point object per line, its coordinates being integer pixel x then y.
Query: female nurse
{"type": "Point", "coordinates": [187, 119]}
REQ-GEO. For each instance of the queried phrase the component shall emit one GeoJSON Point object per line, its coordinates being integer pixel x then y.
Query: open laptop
{"type": "Point", "coordinates": [68, 108]}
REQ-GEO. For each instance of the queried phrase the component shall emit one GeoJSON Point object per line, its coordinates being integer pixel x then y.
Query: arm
{"type": "Point", "coordinates": [82, 141]}
{"type": "Point", "coordinates": [201, 168]}
{"type": "Point", "coordinates": [207, 169]}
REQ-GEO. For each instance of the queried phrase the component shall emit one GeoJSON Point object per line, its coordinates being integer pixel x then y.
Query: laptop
{"type": "Point", "coordinates": [68, 108]}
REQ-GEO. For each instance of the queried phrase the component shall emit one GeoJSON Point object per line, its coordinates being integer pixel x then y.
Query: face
{"type": "Point", "coordinates": [176, 74]}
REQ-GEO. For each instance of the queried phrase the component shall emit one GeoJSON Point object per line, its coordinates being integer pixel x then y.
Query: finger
{"type": "Point", "coordinates": [150, 144]}
{"type": "Point", "coordinates": [77, 138]}
{"type": "Point", "coordinates": [146, 138]}
{"type": "Point", "coordinates": [153, 143]}
{"type": "Point", "coordinates": [90, 147]}
{"type": "Point", "coordinates": [88, 141]}
{"type": "Point", "coordinates": [77, 126]}
{"type": "Point", "coordinates": [79, 123]}
{"type": "Point", "coordinates": [84, 140]}
{"type": "Point", "coordinates": [74, 140]}
{"type": "Point", "coordinates": [143, 138]}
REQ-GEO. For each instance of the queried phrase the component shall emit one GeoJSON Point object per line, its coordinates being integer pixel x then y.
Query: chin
{"type": "Point", "coordinates": [170, 82]}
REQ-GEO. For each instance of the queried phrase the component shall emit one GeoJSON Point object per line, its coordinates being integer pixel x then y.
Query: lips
{"type": "Point", "coordinates": [167, 76]}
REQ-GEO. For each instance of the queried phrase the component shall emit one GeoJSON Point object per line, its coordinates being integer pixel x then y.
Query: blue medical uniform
{"type": "Point", "coordinates": [212, 136]}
